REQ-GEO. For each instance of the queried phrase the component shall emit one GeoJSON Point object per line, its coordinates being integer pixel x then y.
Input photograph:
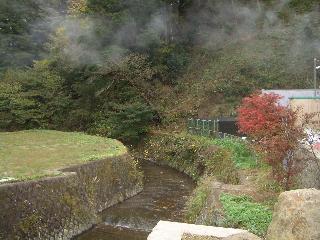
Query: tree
{"type": "Point", "coordinates": [275, 132]}
{"type": "Point", "coordinates": [33, 98]}
{"type": "Point", "coordinates": [24, 30]}
{"type": "Point", "coordinates": [123, 95]}
{"type": "Point", "coordinates": [17, 46]}
{"type": "Point", "coordinates": [77, 7]}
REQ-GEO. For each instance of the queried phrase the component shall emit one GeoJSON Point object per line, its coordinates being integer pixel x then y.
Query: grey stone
{"type": "Point", "coordinates": [309, 176]}
{"type": "Point", "coordinates": [296, 216]}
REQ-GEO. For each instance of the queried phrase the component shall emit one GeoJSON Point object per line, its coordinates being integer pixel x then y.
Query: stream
{"type": "Point", "coordinates": [163, 198]}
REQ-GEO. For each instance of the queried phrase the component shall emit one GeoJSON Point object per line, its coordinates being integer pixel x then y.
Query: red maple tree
{"type": "Point", "coordinates": [274, 131]}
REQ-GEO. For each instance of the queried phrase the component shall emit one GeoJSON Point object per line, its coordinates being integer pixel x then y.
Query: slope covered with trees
{"type": "Point", "coordinates": [117, 67]}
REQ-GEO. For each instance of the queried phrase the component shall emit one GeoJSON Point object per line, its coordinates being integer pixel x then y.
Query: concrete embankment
{"type": "Point", "coordinates": [63, 206]}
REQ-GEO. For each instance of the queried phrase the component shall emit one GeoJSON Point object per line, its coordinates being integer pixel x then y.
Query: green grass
{"type": "Point", "coordinates": [242, 155]}
{"type": "Point", "coordinates": [197, 202]}
{"type": "Point", "coordinates": [242, 212]}
{"type": "Point", "coordinates": [36, 153]}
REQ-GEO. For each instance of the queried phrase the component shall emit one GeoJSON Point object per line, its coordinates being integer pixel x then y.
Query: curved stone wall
{"type": "Point", "coordinates": [64, 206]}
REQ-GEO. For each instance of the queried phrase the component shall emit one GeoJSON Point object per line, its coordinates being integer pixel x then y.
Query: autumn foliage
{"type": "Point", "coordinates": [274, 131]}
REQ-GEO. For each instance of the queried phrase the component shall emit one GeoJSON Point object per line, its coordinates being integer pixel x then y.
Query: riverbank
{"type": "Point", "coordinates": [64, 205]}
{"type": "Point", "coordinates": [227, 173]}
{"type": "Point", "coordinates": [192, 155]}
{"type": "Point", "coordinates": [164, 197]}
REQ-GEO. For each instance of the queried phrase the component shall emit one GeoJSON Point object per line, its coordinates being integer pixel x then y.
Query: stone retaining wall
{"type": "Point", "coordinates": [64, 206]}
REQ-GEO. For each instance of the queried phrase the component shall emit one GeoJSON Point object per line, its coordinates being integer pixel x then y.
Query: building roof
{"type": "Point", "coordinates": [294, 94]}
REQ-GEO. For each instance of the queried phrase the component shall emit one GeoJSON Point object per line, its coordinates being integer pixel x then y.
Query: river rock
{"type": "Point", "coordinates": [296, 216]}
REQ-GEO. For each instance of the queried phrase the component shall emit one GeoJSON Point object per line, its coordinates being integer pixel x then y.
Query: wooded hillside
{"type": "Point", "coordinates": [117, 67]}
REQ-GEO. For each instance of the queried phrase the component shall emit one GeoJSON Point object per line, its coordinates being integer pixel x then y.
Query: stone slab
{"type": "Point", "coordinates": [174, 231]}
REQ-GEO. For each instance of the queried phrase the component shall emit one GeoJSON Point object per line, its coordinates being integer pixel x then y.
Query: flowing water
{"type": "Point", "coordinates": [163, 198]}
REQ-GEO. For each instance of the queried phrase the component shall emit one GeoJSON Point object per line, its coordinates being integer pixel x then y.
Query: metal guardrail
{"type": "Point", "coordinates": [208, 128]}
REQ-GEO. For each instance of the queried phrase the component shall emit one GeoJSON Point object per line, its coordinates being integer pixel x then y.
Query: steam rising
{"type": "Point", "coordinates": [209, 24]}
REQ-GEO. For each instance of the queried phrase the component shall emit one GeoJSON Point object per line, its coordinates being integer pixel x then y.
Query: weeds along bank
{"type": "Point", "coordinates": [195, 156]}
{"type": "Point", "coordinates": [231, 206]}
{"type": "Point", "coordinates": [62, 205]}
{"type": "Point", "coordinates": [224, 195]}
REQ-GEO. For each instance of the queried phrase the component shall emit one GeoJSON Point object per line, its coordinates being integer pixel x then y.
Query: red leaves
{"type": "Point", "coordinates": [274, 129]}
{"type": "Point", "coordinates": [259, 113]}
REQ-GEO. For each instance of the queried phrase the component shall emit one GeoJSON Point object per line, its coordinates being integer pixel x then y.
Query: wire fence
{"type": "Point", "coordinates": [207, 128]}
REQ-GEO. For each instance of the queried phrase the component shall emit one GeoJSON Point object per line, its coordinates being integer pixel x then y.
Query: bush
{"type": "Point", "coordinates": [276, 132]}
{"type": "Point", "coordinates": [302, 6]}
{"type": "Point", "coordinates": [78, 120]}
{"type": "Point", "coordinates": [32, 98]}
{"type": "Point", "coordinates": [242, 155]}
{"type": "Point", "coordinates": [182, 152]}
{"type": "Point", "coordinates": [192, 155]}
{"type": "Point", "coordinates": [197, 203]}
{"type": "Point", "coordinates": [127, 123]}
{"type": "Point", "coordinates": [170, 60]}
{"type": "Point", "coordinates": [221, 166]}
{"type": "Point", "coordinates": [242, 212]}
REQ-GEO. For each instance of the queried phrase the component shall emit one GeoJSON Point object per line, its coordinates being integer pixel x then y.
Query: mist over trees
{"type": "Point", "coordinates": [111, 67]}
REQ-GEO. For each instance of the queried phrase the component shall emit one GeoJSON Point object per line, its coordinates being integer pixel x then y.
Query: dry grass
{"type": "Point", "coordinates": [36, 153]}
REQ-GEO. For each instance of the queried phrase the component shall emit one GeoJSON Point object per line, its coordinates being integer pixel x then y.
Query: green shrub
{"type": "Point", "coordinates": [100, 126]}
{"type": "Point", "coordinates": [170, 60]}
{"type": "Point", "coordinates": [78, 120]}
{"type": "Point", "coordinates": [182, 152]}
{"type": "Point", "coordinates": [242, 212]}
{"type": "Point", "coordinates": [192, 155]}
{"type": "Point", "coordinates": [221, 166]}
{"type": "Point", "coordinates": [127, 123]}
{"type": "Point", "coordinates": [302, 6]}
{"type": "Point", "coordinates": [242, 155]}
{"type": "Point", "coordinates": [32, 98]}
{"type": "Point", "coordinates": [202, 207]}
{"type": "Point", "coordinates": [197, 203]}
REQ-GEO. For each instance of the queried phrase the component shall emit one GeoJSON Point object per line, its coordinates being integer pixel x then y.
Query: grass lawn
{"type": "Point", "coordinates": [35, 153]}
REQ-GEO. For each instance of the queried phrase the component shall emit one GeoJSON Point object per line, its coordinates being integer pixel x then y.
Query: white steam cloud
{"type": "Point", "coordinates": [214, 24]}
